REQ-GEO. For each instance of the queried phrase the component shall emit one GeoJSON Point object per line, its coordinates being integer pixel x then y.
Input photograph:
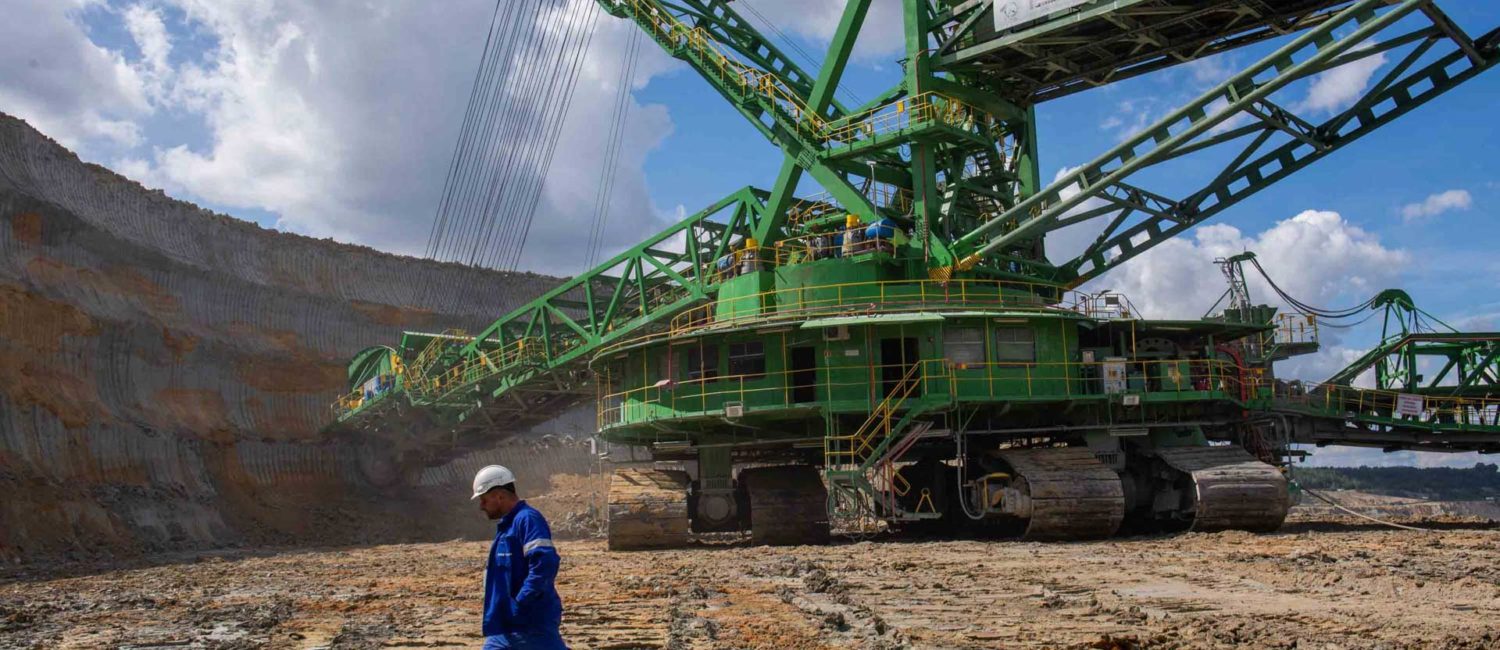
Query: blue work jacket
{"type": "Point", "coordinates": [520, 594]}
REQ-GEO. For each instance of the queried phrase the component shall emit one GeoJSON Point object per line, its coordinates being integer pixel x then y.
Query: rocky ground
{"type": "Point", "coordinates": [1318, 584]}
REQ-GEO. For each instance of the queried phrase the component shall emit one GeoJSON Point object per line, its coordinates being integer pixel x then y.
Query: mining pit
{"type": "Point", "coordinates": [165, 374]}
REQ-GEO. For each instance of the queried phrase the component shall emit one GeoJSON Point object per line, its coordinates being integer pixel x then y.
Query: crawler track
{"type": "Point", "coordinates": [1073, 495]}
{"type": "Point", "coordinates": [1232, 490]}
{"type": "Point", "coordinates": [788, 505]}
{"type": "Point", "coordinates": [647, 509]}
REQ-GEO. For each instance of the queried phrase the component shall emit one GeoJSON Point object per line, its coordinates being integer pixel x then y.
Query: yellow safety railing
{"type": "Point", "coordinates": [478, 367]}
{"type": "Point", "coordinates": [904, 113]}
{"type": "Point", "coordinates": [859, 298]}
{"type": "Point", "coordinates": [1436, 410]}
{"type": "Point", "coordinates": [672, 398]}
{"type": "Point", "coordinates": [728, 71]}
{"type": "Point", "coordinates": [435, 347]}
{"type": "Point", "coordinates": [1023, 380]}
{"type": "Point", "coordinates": [793, 250]}
{"type": "Point", "coordinates": [808, 209]}
{"type": "Point", "coordinates": [938, 379]}
{"type": "Point", "coordinates": [883, 195]}
{"type": "Point", "coordinates": [856, 448]}
{"type": "Point", "coordinates": [1107, 304]}
{"type": "Point", "coordinates": [732, 73]}
{"type": "Point", "coordinates": [1291, 329]}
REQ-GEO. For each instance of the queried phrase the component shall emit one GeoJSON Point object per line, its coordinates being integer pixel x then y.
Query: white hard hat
{"type": "Point", "coordinates": [491, 477]}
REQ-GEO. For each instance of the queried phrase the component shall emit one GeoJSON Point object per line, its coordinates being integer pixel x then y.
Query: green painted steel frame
{"type": "Point", "coordinates": [1243, 96]}
{"type": "Point", "coordinates": [614, 299]}
{"type": "Point", "coordinates": [763, 112]}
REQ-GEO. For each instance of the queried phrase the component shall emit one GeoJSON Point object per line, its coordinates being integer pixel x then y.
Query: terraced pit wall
{"type": "Point", "coordinates": [165, 371]}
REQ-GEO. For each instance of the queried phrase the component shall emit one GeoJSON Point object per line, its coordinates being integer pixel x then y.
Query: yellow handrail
{"type": "Point", "coordinates": [1434, 409]}
{"type": "Point", "coordinates": [879, 297]}
{"type": "Point", "coordinates": [876, 426]}
{"type": "Point", "coordinates": [486, 364]}
{"type": "Point", "coordinates": [940, 378]}
{"type": "Point", "coordinates": [898, 114]}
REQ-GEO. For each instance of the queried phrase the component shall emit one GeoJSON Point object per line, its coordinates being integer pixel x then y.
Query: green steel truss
{"type": "Point", "coordinates": [1412, 358]}
{"type": "Point", "coordinates": [1238, 113]}
{"type": "Point", "coordinates": [780, 100]}
{"type": "Point", "coordinates": [1107, 42]}
{"type": "Point", "coordinates": [950, 152]}
{"type": "Point", "coordinates": [530, 362]}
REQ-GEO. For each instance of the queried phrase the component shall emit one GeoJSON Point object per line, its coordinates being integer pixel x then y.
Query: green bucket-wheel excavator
{"type": "Point", "coordinates": [899, 351]}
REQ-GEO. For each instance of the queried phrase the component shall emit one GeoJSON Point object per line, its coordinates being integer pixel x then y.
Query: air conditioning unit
{"type": "Point", "coordinates": [836, 333]}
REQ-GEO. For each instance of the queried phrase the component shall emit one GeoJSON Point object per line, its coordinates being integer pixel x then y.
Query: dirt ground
{"type": "Point", "coordinates": [1314, 585]}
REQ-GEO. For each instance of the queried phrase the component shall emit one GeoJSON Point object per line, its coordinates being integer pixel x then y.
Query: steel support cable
{"type": "Point", "coordinates": [530, 72]}
{"type": "Point", "coordinates": [569, 87]}
{"type": "Point", "coordinates": [1439, 321]}
{"type": "Point", "coordinates": [473, 145]}
{"type": "Point", "coordinates": [568, 55]}
{"type": "Point", "coordinates": [1308, 309]}
{"type": "Point", "coordinates": [622, 113]}
{"type": "Point", "coordinates": [537, 68]}
{"type": "Point", "coordinates": [506, 77]}
{"type": "Point", "coordinates": [509, 180]}
{"type": "Point", "coordinates": [1382, 522]}
{"type": "Point", "coordinates": [439, 218]}
{"type": "Point", "coordinates": [604, 191]}
{"type": "Point", "coordinates": [482, 154]}
{"type": "Point", "coordinates": [1344, 326]}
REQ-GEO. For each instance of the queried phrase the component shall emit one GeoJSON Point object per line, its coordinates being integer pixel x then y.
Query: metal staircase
{"type": "Point", "coordinates": [860, 467]}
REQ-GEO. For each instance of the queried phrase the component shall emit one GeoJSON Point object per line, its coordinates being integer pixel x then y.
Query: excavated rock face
{"type": "Point", "coordinates": [165, 372]}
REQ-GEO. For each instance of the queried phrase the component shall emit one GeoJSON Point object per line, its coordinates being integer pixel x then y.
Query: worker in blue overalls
{"type": "Point", "coordinates": [521, 608]}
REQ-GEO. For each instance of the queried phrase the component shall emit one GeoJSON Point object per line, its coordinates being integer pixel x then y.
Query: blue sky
{"type": "Point", "coordinates": [338, 119]}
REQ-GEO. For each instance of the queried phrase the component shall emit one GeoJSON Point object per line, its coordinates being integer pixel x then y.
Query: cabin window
{"type": "Point", "coordinates": [1015, 344]}
{"type": "Point", "coordinates": [702, 362]}
{"type": "Point", "coordinates": [964, 346]}
{"type": "Point", "coordinates": [747, 359]}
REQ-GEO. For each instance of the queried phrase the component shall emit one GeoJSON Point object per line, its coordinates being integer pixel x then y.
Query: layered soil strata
{"type": "Point", "coordinates": [165, 371]}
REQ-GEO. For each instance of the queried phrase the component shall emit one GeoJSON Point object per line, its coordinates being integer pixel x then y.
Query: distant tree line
{"type": "Point", "coordinates": [1482, 481]}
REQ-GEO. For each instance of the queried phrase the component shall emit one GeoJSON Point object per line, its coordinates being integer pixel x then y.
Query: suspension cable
{"type": "Point", "coordinates": [1306, 309]}
{"type": "Point", "coordinates": [567, 87]}
{"type": "Point", "coordinates": [605, 189]}
{"type": "Point", "coordinates": [510, 179]}
{"type": "Point", "coordinates": [523, 91]}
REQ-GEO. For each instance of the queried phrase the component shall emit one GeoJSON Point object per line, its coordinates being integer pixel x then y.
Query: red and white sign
{"type": "Point", "coordinates": [1408, 405]}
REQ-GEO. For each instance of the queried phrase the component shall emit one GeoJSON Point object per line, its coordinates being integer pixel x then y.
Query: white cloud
{"type": "Point", "coordinates": [1437, 204]}
{"type": "Point", "coordinates": [55, 78]}
{"type": "Point", "coordinates": [150, 35]}
{"type": "Point", "coordinates": [1067, 243]}
{"type": "Point", "coordinates": [1316, 256]}
{"type": "Point", "coordinates": [339, 118]}
{"type": "Point", "coordinates": [1131, 116]}
{"type": "Point", "coordinates": [1212, 70]}
{"type": "Point", "coordinates": [818, 20]}
{"type": "Point", "coordinates": [1334, 90]}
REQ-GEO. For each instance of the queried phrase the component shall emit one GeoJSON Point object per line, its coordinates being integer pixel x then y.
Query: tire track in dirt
{"type": "Point", "coordinates": [1354, 588]}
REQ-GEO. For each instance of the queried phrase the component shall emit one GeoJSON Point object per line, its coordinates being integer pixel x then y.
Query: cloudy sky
{"type": "Point", "coordinates": [339, 118]}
